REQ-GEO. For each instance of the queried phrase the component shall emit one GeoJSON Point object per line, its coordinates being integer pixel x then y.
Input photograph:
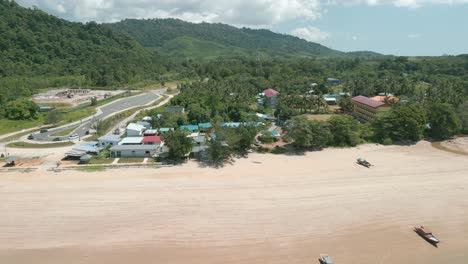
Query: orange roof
{"type": "Point", "coordinates": [381, 98]}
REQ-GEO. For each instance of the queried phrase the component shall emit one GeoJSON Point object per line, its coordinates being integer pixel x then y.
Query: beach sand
{"type": "Point", "coordinates": [261, 209]}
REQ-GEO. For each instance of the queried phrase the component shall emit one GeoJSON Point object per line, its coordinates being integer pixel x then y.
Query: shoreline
{"type": "Point", "coordinates": [262, 209]}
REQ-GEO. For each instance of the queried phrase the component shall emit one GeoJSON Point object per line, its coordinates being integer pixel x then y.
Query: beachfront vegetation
{"type": "Point", "coordinates": [179, 145]}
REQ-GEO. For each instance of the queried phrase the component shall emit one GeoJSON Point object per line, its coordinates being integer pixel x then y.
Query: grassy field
{"type": "Point", "coordinates": [100, 160]}
{"type": "Point", "coordinates": [63, 133]}
{"type": "Point", "coordinates": [8, 126]}
{"type": "Point", "coordinates": [131, 160]}
{"type": "Point", "coordinates": [39, 146]}
{"type": "Point", "coordinates": [323, 117]}
{"type": "Point", "coordinates": [92, 168]}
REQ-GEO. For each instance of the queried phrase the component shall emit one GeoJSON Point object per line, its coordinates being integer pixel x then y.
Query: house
{"type": "Point", "coordinates": [330, 100]}
{"type": "Point", "coordinates": [134, 151]}
{"type": "Point", "coordinates": [164, 130]}
{"type": "Point", "coordinates": [333, 81]}
{"type": "Point", "coordinates": [79, 151]}
{"type": "Point", "coordinates": [150, 132]}
{"type": "Point", "coordinates": [134, 130]}
{"type": "Point", "coordinates": [200, 152]}
{"type": "Point", "coordinates": [109, 140]}
{"type": "Point", "coordinates": [271, 97]}
{"type": "Point", "coordinates": [152, 140]}
{"type": "Point", "coordinates": [189, 128]}
{"type": "Point", "coordinates": [175, 109]}
{"type": "Point", "coordinates": [147, 125]}
{"type": "Point", "coordinates": [131, 141]}
{"type": "Point", "coordinates": [366, 109]}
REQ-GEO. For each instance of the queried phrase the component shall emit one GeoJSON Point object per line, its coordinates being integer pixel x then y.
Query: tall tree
{"type": "Point", "coordinates": [443, 121]}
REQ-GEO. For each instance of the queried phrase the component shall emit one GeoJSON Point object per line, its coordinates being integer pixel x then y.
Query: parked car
{"type": "Point", "coordinates": [31, 137]}
{"type": "Point", "coordinates": [44, 130]}
{"type": "Point", "coordinates": [57, 139]}
{"type": "Point", "coordinates": [73, 136]}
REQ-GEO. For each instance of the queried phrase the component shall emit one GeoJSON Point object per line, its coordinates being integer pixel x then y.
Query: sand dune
{"type": "Point", "coordinates": [264, 209]}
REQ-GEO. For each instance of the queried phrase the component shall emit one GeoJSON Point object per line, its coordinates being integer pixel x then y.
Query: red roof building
{"type": "Point", "coordinates": [366, 109]}
{"type": "Point", "coordinates": [152, 140]}
{"type": "Point", "coordinates": [270, 92]}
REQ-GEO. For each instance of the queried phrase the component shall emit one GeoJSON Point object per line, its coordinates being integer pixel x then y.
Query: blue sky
{"type": "Point", "coordinates": [399, 27]}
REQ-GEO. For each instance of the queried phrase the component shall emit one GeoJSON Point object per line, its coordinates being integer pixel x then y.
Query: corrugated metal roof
{"type": "Point", "coordinates": [270, 92]}
{"type": "Point", "coordinates": [151, 139]}
{"type": "Point", "coordinates": [109, 138]}
{"type": "Point", "coordinates": [205, 125]}
{"type": "Point", "coordinates": [367, 101]}
{"type": "Point", "coordinates": [131, 140]}
{"type": "Point", "coordinates": [189, 127]}
{"type": "Point", "coordinates": [137, 127]}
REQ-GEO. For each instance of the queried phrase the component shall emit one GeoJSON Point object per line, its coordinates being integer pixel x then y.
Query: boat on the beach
{"type": "Point", "coordinates": [325, 259]}
{"type": "Point", "coordinates": [363, 162]}
{"type": "Point", "coordinates": [425, 233]}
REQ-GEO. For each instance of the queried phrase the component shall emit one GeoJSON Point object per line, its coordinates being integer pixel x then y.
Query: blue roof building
{"type": "Point", "coordinates": [205, 125]}
{"type": "Point", "coordinates": [189, 127]}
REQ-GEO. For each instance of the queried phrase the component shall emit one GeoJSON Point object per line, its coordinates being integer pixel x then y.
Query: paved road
{"type": "Point", "coordinates": [106, 110]}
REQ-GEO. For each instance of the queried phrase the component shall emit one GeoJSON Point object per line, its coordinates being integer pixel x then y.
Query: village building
{"type": "Point", "coordinates": [134, 130]}
{"type": "Point", "coordinates": [147, 125]}
{"type": "Point", "coordinates": [271, 97]}
{"type": "Point", "coordinates": [189, 128]}
{"type": "Point", "coordinates": [205, 127]}
{"type": "Point", "coordinates": [150, 132]}
{"type": "Point", "coordinates": [384, 98]}
{"type": "Point", "coordinates": [131, 141]}
{"type": "Point", "coordinates": [164, 130]}
{"type": "Point", "coordinates": [366, 109]}
{"type": "Point", "coordinates": [176, 109]}
{"type": "Point", "coordinates": [333, 81]}
{"type": "Point", "coordinates": [108, 140]}
{"type": "Point", "coordinates": [134, 151]}
{"type": "Point", "coordinates": [152, 140]}
{"type": "Point", "coordinates": [79, 151]}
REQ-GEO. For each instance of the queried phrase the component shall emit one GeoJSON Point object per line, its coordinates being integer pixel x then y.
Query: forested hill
{"type": "Point", "coordinates": [36, 44]}
{"type": "Point", "coordinates": [179, 38]}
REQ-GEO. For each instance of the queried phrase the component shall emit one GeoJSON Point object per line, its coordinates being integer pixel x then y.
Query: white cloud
{"type": "Point", "coordinates": [311, 34]}
{"type": "Point", "coordinates": [414, 36]}
{"type": "Point", "coordinates": [398, 3]}
{"type": "Point", "coordinates": [254, 13]}
{"type": "Point", "coordinates": [354, 38]}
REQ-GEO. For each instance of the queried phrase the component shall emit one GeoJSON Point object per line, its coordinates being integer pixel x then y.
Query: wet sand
{"type": "Point", "coordinates": [264, 209]}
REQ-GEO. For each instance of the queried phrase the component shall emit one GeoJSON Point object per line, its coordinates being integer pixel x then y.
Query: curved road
{"type": "Point", "coordinates": [105, 111]}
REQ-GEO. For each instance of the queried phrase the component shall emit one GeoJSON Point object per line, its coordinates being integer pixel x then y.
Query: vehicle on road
{"type": "Point", "coordinates": [31, 137]}
{"type": "Point", "coordinates": [425, 233]}
{"type": "Point", "coordinates": [57, 139]}
{"type": "Point", "coordinates": [325, 259]}
{"type": "Point", "coordinates": [43, 130]}
{"type": "Point", "coordinates": [363, 162]}
{"type": "Point", "coordinates": [73, 136]}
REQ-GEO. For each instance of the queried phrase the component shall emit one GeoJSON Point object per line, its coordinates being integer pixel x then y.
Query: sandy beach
{"type": "Point", "coordinates": [262, 209]}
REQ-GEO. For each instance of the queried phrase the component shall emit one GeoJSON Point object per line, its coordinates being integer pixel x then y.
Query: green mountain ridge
{"type": "Point", "coordinates": [222, 39]}
{"type": "Point", "coordinates": [34, 43]}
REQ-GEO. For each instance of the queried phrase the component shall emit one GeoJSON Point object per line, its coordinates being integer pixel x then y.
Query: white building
{"type": "Point", "coordinates": [109, 140]}
{"type": "Point", "coordinates": [134, 151]}
{"type": "Point", "coordinates": [134, 130]}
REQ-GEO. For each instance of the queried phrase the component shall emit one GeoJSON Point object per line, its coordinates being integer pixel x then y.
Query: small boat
{"type": "Point", "coordinates": [425, 233]}
{"type": "Point", "coordinates": [325, 259]}
{"type": "Point", "coordinates": [363, 162]}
